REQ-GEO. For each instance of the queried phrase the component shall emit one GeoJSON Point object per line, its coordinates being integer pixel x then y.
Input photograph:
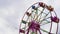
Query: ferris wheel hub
{"type": "Point", "coordinates": [34, 25]}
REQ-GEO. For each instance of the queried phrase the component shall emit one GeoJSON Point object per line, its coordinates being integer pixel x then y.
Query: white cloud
{"type": "Point", "coordinates": [11, 12]}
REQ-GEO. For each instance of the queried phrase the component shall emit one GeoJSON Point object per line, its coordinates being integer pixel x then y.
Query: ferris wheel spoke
{"type": "Point", "coordinates": [44, 24]}
{"type": "Point", "coordinates": [35, 10]}
{"type": "Point", "coordinates": [46, 31]}
{"type": "Point", "coordinates": [40, 13]}
{"type": "Point", "coordinates": [47, 17]}
{"type": "Point", "coordinates": [31, 15]}
{"type": "Point", "coordinates": [44, 13]}
{"type": "Point", "coordinates": [36, 13]}
{"type": "Point", "coordinates": [47, 22]}
{"type": "Point", "coordinates": [44, 17]}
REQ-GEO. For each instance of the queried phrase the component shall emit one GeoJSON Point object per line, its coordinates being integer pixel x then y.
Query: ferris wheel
{"type": "Point", "coordinates": [39, 18]}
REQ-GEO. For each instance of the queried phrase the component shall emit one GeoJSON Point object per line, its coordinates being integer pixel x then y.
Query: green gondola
{"type": "Point", "coordinates": [24, 22]}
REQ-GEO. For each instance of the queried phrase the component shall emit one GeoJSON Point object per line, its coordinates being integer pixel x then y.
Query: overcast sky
{"type": "Point", "coordinates": [11, 11]}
